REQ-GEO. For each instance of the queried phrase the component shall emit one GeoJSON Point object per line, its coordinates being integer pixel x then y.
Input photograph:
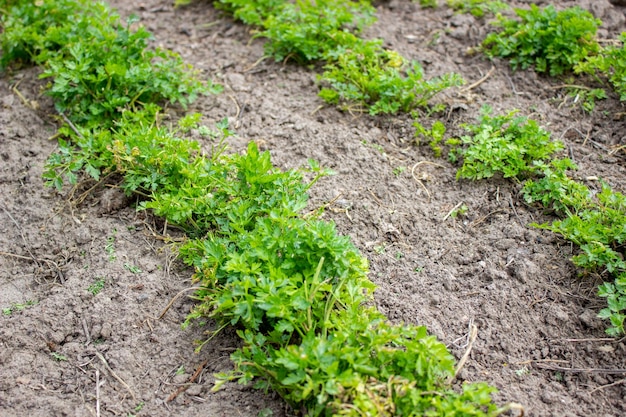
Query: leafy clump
{"type": "Point", "coordinates": [379, 80]}
{"type": "Point", "coordinates": [554, 189]}
{"type": "Point", "coordinates": [611, 62]}
{"type": "Point", "coordinates": [551, 41]}
{"type": "Point", "coordinates": [435, 135]}
{"type": "Point", "coordinates": [308, 31]}
{"type": "Point", "coordinates": [99, 67]}
{"type": "Point", "coordinates": [304, 31]}
{"type": "Point", "coordinates": [507, 144]}
{"type": "Point", "coordinates": [478, 8]}
{"type": "Point", "coordinates": [25, 38]}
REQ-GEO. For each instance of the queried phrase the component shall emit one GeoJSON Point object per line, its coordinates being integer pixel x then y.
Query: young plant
{"type": "Point", "coordinates": [436, 135]}
{"type": "Point", "coordinates": [307, 31]}
{"type": "Point", "coordinates": [478, 8]}
{"type": "Point", "coordinates": [610, 62]}
{"type": "Point", "coordinates": [518, 148]}
{"type": "Point", "coordinates": [379, 80]}
{"type": "Point", "coordinates": [296, 290]}
{"type": "Point", "coordinates": [509, 145]}
{"type": "Point", "coordinates": [551, 41]}
{"type": "Point", "coordinates": [25, 39]}
{"type": "Point", "coordinates": [555, 190]}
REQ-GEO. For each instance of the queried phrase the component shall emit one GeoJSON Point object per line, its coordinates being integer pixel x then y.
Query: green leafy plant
{"type": "Point", "coordinates": [134, 269]}
{"type": "Point", "coordinates": [97, 286]}
{"type": "Point", "coordinates": [598, 227]}
{"type": "Point", "coordinates": [461, 211]}
{"type": "Point", "coordinates": [305, 30]}
{"type": "Point", "coordinates": [359, 74]}
{"type": "Point", "coordinates": [308, 31]}
{"type": "Point", "coordinates": [587, 97]}
{"type": "Point", "coordinates": [109, 248]}
{"type": "Point", "coordinates": [555, 190]}
{"type": "Point", "coordinates": [379, 80]}
{"type": "Point", "coordinates": [25, 38]}
{"type": "Point", "coordinates": [58, 357]}
{"type": "Point", "coordinates": [7, 311]}
{"type": "Point", "coordinates": [610, 62]}
{"type": "Point", "coordinates": [98, 67]}
{"type": "Point", "coordinates": [506, 144]}
{"type": "Point", "coordinates": [478, 8]}
{"type": "Point", "coordinates": [551, 41]}
{"type": "Point", "coordinates": [518, 148]}
{"type": "Point", "coordinates": [436, 135]}
{"type": "Point", "coordinates": [428, 3]}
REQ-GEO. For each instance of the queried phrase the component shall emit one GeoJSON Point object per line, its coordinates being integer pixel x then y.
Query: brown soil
{"type": "Point", "coordinates": [73, 353]}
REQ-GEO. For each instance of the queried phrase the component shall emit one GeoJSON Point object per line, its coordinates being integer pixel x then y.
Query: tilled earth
{"type": "Point", "coordinates": [67, 352]}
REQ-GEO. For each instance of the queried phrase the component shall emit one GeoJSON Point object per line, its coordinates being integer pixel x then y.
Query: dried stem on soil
{"type": "Point", "coordinates": [621, 381]}
{"type": "Point", "coordinates": [97, 393]}
{"type": "Point", "coordinates": [418, 180]}
{"type": "Point", "coordinates": [581, 370]}
{"type": "Point", "coordinates": [114, 375]}
{"type": "Point", "coordinates": [479, 82]}
{"type": "Point", "coordinates": [169, 305]}
{"type": "Point", "coordinates": [193, 378]}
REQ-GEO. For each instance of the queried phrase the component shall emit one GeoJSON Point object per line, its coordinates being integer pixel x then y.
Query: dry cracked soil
{"type": "Point", "coordinates": [65, 351]}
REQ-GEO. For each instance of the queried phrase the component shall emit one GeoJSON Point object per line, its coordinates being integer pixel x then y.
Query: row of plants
{"type": "Point", "coordinates": [561, 43]}
{"type": "Point", "coordinates": [516, 147]}
{"type": "Point", "coordinates": [358, 74]}
{"type": "Point", "coordinates": [550, 41]}
{"type": "Point", "coordinates": [296, 291]}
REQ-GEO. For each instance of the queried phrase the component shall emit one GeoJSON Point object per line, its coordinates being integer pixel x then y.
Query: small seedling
{"type": "Point", "coordinates": [7, 311]}
{"type": "Point", "coordinates": [266, 412]}
{"type": "Point", "coordinates": [97, 286]}
{"type": "Point", "coordinates": [523, 371]}
{"type": "Point", "coordinates": [132, 268]}
{"type": "Point", "coordinates": [397, 171]}
{"type": "Point", "coordinates": [380, 249]}
{"type": "Point", "coordinates": [58, 357]}
{"type": "Point", "coordinates": [435, 135]}
{"type": "Point", "coordinates": [461, 211]}
{"type": "Point", "coordinates": [109, 248]}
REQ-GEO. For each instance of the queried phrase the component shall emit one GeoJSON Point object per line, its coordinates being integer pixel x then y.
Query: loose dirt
{"type": "Point", "coordinates": [67, 352]}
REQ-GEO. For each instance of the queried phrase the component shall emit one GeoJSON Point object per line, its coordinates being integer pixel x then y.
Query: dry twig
{"type": "Point", "coordinates": [97, 393]}
{"type": "Point", "coordinates": [114, 375]}
{"type": "Point", "coordinates": [473, 333]}
{"type": "Point", "coordinates": [479, 82]}
{"type": "Point", "coordinates": [169, 305]}
{"type": "Point", "coordinates": [418, 180]}
{"type": "Point", "coordinates": [184, 388]}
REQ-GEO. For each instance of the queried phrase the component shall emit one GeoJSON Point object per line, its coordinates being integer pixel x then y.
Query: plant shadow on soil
{"type": "Point", "coordinates": [538, 336]}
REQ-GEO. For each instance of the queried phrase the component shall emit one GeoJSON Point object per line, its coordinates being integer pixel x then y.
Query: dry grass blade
{"type": "Point", "coordinates": [418, 180]}
{"type": "Point", "coordinates": [114, 375]}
